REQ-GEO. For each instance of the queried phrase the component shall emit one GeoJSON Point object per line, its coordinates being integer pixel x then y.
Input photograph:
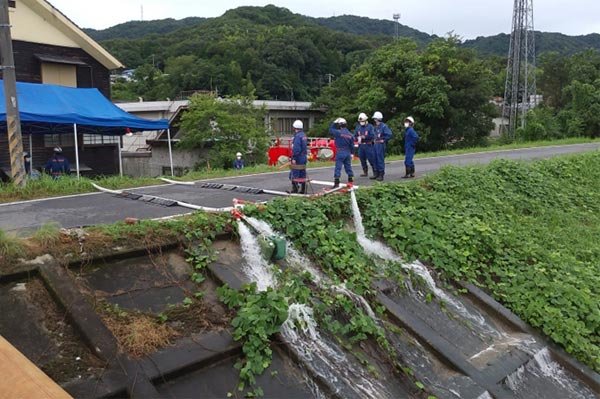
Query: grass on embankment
{"type": "Point", "coordinates": [47, 187]}
{"type": "Point", "coordinates": [527, 232]}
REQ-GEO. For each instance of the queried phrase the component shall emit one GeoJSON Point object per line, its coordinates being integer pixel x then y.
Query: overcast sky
{"type": "Point", "coordinates": [467, 18]}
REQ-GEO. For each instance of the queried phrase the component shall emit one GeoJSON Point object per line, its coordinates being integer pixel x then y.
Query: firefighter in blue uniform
{"type": "Point", "coordinates": [383, 134]}
{"type": "Point", "coordinates": [411, 137]}
{"type": "Point", "coordinates": [344, 147]}
{"type": "Point", "coordinates": [299, 158]}
{"type": "Point", "coordinates": [239, 162]}
{"type": "Point", "coordinates": [57, 165]}
{"type": "Point", "coordinates": [365, 136]}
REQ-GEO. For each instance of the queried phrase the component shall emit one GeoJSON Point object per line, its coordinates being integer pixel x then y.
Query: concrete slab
{"type": "Point", "coordinates": [281, 380]}
{"type": "Point", "coordinates": [32, 322]}
{"type": "Point", "coordinates": [145, 283]}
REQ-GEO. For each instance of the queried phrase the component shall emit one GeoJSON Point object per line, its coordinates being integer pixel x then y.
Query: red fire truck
{"type": "Point", "coordinates": [319, 149]}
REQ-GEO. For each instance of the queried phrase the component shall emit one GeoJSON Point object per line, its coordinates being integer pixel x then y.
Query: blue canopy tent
{"type": "Point", "coordinates": [51, 109]}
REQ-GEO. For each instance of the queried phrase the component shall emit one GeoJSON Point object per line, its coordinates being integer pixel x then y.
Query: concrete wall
{"type": "Point", "coordinates": [136, 164]}
{"type": "Point", "coordinates": [156, 163]}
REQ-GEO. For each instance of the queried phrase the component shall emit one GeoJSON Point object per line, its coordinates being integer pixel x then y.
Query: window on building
{"type": "Point", "coordinates": [91, 139]}
{"type": "Point", "coordinates": [12, 3]}
{"type": "Point", "coordinates": [60, 140]}
{"type": "Point", "coordinates": [59, 74]}
{"type": "Point", "coordinates": [283, 126]}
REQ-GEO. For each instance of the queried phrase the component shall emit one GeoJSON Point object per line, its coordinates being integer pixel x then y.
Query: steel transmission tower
{"type": "Point", "coordinates": [520, 89]}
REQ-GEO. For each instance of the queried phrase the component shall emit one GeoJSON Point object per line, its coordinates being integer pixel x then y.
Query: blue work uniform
{"type": "Point", "coordinates": [383, 134]}
{"type": "Point", "coordinates": [57, 166]}
{"type": "Point", "coordinates": [410, 146]}
{"type": "Point", "coordinates": [299, 155]}
{"type": "Point", "coordinates": [238, 164]}
{"type": "Point", "coordinates": [344, 146]}
{"type": "Point", "coordinates": [366, 136]}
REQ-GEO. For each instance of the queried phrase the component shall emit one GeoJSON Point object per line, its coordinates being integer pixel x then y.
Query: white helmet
{"type": "Point", "coordinates": [378, 115]}
{"type": "Point", "coordinates": [341, 121]}
{"type": "Point", "coordinates": [239, 154]}
{"type": "Point", "coordinates": [410, 119]}
{"type": "Point", "coordinates": [362, 117]}
{"type": "Point", "coordinates": [57, 149]}
{"type": "Point", "coordinates": [298, 124]}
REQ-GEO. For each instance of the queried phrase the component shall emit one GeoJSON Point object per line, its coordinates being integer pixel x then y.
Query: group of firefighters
{"type": "Point", "coordinates": [371, 140]}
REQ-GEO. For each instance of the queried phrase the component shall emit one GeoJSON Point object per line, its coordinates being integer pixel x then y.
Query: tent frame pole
{"type": "Point", "coordinates": [30, 153]}
{"type": "Point", "coordinates": [170, 152]}
{"type": "Point", "coordinates": [76, 148]}
{"type": "Point", "coordinates": [120, 156]}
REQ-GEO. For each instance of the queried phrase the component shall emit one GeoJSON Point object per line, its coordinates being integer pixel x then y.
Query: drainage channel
{"type": "Point", "coordinates": [76, 324]}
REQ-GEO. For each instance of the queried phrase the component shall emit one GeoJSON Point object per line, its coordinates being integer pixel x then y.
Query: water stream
{"type": "Point", "coordinates": [542, 376]}
{"type": "Point", "coordinates": [255, 267]}
{"type": "Point", "coordinates": [328, 360]}
{"type": "Point", "coordinates": [382, 251]}
{"type": "Point", "coordinates": [300, 330]}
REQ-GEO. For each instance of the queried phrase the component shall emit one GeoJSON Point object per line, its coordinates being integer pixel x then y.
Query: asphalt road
{"type": "Point", "coordinates": [101, 208]}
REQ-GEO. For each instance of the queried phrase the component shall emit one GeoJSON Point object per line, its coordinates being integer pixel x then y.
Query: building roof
{"type": "Point", "coordinates": [173, 106]}
{"type": "Point", "coordinates": [61, 22]}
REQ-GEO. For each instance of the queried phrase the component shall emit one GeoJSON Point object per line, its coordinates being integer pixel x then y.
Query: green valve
{"type": "Point", "coordinates": [273, 247]}
{"type": "Point", "coordinates": [280, 248]}
{"type": "Point", "coordinates": [267, 247]}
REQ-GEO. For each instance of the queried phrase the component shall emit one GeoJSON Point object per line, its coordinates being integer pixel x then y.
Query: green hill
{"type": "Point", "coordinates": [545, 42]}
{"type": "Point", "coordinates": [368, 26]}
{"type": "Point", "coordinates": [276, 53]}
{"type": "Point", "coordinates": [139, 29]}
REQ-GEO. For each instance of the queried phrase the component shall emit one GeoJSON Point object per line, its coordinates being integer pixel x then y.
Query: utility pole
{"type": "Point", "coordinates": [520, 88]}
{"type": "Point", "coordinates": [13, 119]}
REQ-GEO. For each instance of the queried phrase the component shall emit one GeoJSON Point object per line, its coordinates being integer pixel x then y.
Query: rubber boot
{"type": "Point", "coordinates": [365, 172]}
{"type": "Point", "coordinates": [407, 174]}
{"type": "Point", "coordinates": [303, 188]}
{"type": "Point", "coordinates": [350, 181]}
{"type": "Point", "coordinates": [336, 183]}
{"type": "Point", "coordinates": [412, 171]}
{"type": "Point", "coordinates": [294, 188]}
{"type": "Point", "coordinates": [375, 175]}
{"type": "Point", "coordinates": [380, 176]}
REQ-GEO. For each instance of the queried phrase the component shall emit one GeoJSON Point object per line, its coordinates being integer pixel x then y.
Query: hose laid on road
{"type": "Point", "coordinates": [165, 200]}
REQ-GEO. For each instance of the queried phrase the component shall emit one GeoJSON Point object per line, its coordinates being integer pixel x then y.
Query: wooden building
{"type": "Point", "coordinates": [49, 48]}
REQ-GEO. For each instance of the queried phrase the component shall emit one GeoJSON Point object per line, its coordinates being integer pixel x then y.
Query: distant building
{"type": "Point", "coordinates": [50, 48]}
{"type": "Point", "coordinates": [146, 153]}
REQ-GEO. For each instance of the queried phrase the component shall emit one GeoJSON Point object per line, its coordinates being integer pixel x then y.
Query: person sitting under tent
{"type": "Point", "coordinates": [239, 162]}
{"type": "Point", "coordinates": [57, 165]}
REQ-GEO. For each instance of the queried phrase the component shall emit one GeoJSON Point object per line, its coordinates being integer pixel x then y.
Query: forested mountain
{"type": "Point", "coordinates": [273, 53]}
{"type": "Point", "coordinates": [363, 26]}
{"type": "Point", "coordinates": [268, 51]}
{"type": "Point", "coordinates": [139, 29]}
{"type": "Point", "coordinates": [544, 42]}
{"type": "Point", "coordinates": [368, 26]}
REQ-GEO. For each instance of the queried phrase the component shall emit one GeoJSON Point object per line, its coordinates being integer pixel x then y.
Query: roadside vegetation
{"type": "Point", "coordinates": [47, 187]}
{"type": "Point", "coordinates": [80, 244]}
{"type": "Point", "coordinates": [525, 232]}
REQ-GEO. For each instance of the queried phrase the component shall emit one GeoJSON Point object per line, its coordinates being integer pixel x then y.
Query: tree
{"type": "Point", "coordinates": [446, 88]}
{"type": "Point", "coordinates": [224, 127]}
{"type": "Point", "coordinates": [571, 89]}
